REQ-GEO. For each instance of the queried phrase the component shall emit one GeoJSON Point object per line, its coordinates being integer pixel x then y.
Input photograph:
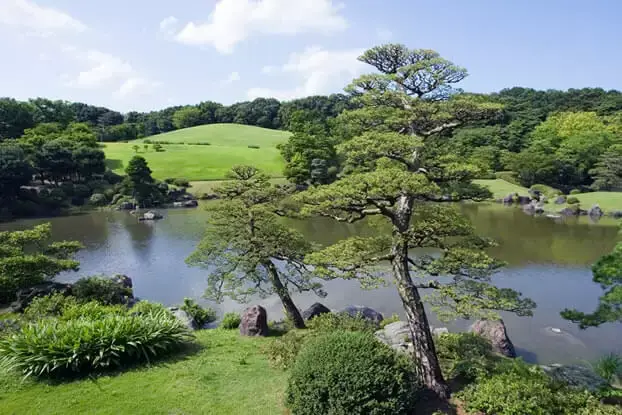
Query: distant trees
{"type": "Point", "coordinates": [15, 171]}
{"type": "Point", "coordinates": [15, 117]}
{"type": "Point", "coordinates": [140, 184]}
{"type": "Point", "coordinates": [607, 171]}
{"type": "Point", "coordinates": [187, 117]}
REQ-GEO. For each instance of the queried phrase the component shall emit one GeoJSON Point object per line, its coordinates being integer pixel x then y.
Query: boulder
{"type": "Point", "coordinates": [509, 199]}
{"type": "Point", "coordinates": [191, 203]}
{"type": "Point", "coordinates": [364, 312]}
{"type": "Point", "coordinates": [494, 331]}
{"type": "Point", "coordinates": [314, 311]}
{"type": "Point", "coordinates": [440, 331]}
{"type": "Point", "coordinates": [523, 200]}
{"type": "Point", "coordinates": [124, 281]}
{"type": "Point", "coordinates": [595, 212]}
{"type": "Point", "coordinates": [396, 335]}
{"type": "Point", "coordinates": [178, 204]}
{"type": "Point", "coordinates": [575, 376]}
{"type": "Point", "coordinates": [254, 321]}
{"type": "Point", "coordinates": [184, 317]}
{"type": "Point", "coordinates": [533, 208]}
{"type": "Point", "coordinates": [616, 214]}
{"type": "Point", "coordinates": [560, 200]}
{"type": "Point", "coordinates": [570, 211]}
{"type": "Point", "coordinates": [26, 295]}
{"type": "Point", "coordinates": [126, 206]}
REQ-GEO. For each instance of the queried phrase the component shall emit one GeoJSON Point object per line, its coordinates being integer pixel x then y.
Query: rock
{"type": "Point", "coordinates": [494, 331]}
{"type": "Point", "coordinates": [314, 311]}
{"type": "Point", "coordinates": [26, 295]}
{"type": "Point", "coordinates": [364, 312]}
{"type": "Point", "coordinates": [396, 335]}
{"type": "Point", "coordinates": [440, 331]}
{"type": "Point", "coordinates": [210, 196]}
{"type": "Point", "coordinates": [254, 322]}
{"type": "Point", "coordinates": [178, 204]}
{"type": "Point", "coordinates": [575, 376]}
{"type": "Point", "coordinates": [570, 211]}
{"type": "Point", "coordinates": [509, 199]}
{"type": "Point", "coordinates": [533, 208]}
{"type": "Point", "coordinates": [184, 317]}
{"type": "Point", "coordinates": [595, 212]}
{"type": "Point", "coordinates": [616, 214]}
{"type": "Point", "coordinates": [191, 203]}
{"type": "Point", "coordinates": [523, 200]}
{"type": "Point", "coordinates": [560, 200]}
{"type": "Point", "coordinates": [126, 206]}
{"type": "Point", "coordinates": [124, 281]}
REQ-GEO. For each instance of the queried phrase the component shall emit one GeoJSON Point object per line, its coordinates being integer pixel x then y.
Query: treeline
{"type": "Point", "coordinates": [17, 117]}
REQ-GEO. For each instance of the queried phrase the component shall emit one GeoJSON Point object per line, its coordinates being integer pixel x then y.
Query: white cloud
{"type": "Point", "coordinates": [233, 21]}
{"type": "Point", "coordinates": [233, 77]}
{"type": "Point", "coordinates": [169, 25]}
{"type": "Point", "coordinates": [320, 72]}
{"type": "Point", "coordinates": [268, 69]}
{"type": "Point", "coordinates": [136, 86]}
{"type": "Point", "coordinates": [384, 34]}
{"type": "Point", "coordinates": [44, 21]}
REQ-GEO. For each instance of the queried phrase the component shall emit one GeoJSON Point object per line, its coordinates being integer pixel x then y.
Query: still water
{"type": "Point", "coordinates": [548, 261]}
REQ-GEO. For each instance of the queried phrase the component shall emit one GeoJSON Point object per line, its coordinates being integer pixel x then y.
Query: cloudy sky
{"type": "Point", "coordinates": [148, 54]}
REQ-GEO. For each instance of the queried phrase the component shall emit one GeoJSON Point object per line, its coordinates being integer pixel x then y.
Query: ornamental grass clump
{"type": "Point", "coordinates": [56, 348]}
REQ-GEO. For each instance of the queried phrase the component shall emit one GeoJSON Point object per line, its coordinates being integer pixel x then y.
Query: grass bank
{"type": "Point", "coordinates": [184, 157]}
{"type": "Point", "coordinates": [208, 186]}
{"type": "Point", "coordinates": [228, 375]}
{"type": "Point", "coordinates": [500, 188]}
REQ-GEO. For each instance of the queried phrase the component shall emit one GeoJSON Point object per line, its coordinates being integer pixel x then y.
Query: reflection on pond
{"type": "Point", "coordinates": [547, 261]}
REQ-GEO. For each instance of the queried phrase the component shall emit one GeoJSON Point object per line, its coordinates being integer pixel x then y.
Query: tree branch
{"type": "Point", "coordinates": [441, 128]}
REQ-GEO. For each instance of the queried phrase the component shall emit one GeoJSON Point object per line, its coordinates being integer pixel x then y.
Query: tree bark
{"type": "Point", "coordinates": [426, 361]}
{"type": "Point", "coordinates": [290, 308]}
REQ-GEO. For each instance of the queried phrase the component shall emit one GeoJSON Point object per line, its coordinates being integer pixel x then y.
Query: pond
{"type": "Point", "coordinates": [548, 260]}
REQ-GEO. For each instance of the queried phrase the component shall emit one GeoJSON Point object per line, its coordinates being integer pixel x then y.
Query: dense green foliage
{"type": "Point", "coordinates": [231, 321]}
{"type": "Point", "coordinates": [26, 259]}
{"type": "Point", "coordinates": [52, 305]}
{"type": "Point", "coordinates": [465, 356]}
{"type": "Point", "coordinates": [92, 343]}
{"type": "Point", "coordinates": [200, 315]}
{"type": "Point", "coordinates": [350, 373]}
{"type": "Point", "coordinates": [105, 290]}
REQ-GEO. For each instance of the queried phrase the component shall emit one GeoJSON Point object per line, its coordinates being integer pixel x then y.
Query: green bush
{"type": "Point", "coordinates": [575, 192]}
{"type": "Point", "coordinates": [283, 350]}
{"type": "Point", "coordinates": [181, 183]}
{"type": "Point", "coordinates": [48, 306]}
{"type": "Point", "coordinates": [547, 191]}
{"type": "Point", "coordinates": [169, 180]}
{"type": "Point", "coordinates": [254, 146]}
{"type": "Point", "coordinates": [328, 322]}
{"type": "Point", "coordinates": [55, 348]}
{"type": "Point", "coordinates": [350, 373]}
{"type": "Point", "coordinates": [572, 200]}
{"type": "Point", "coordinates": [465, 355]}
{"type": "Point", "coordinates": [92, 310]}
{"type": "Point", "coordinates": [82, 190]}
{"type": "Point", "coordinates": [147, 307]}
{"type": "Point", "coordinates": [508, 176]}
{"type": "Point", "coordinates": [231, 321]}
{"type": "Point", "coordinates": [101, 289]}
{"type": "Point", "coordinates": [98, 199]}
{"type": "Point", "coordinates": [609, 367]}
{"type": "Point", "coordinates": [201, 315]}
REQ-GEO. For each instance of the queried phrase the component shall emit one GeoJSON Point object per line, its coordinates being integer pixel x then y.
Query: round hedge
{"type": "Point", "coordinates": [350, 373]}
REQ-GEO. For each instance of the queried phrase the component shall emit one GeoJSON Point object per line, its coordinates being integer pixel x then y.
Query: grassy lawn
{"type": "Point", "coordinates": [500, 188]}
{"type": "Point", "coordinates": [229, 375]}
{"type": "Point", "coordinates": [608, 201]}
{"type": "Point", "coordinates": [228, 146]}
{"type": "Point", "coordinates": [208, 186]}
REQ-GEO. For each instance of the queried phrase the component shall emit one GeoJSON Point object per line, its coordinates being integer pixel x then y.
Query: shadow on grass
{"type": "Point", "coordinates": [114, 164]}
{"type": "Point", "coordinates": [429, 404]}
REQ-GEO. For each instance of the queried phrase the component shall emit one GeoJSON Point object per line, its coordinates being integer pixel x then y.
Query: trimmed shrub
{"type": "Point", "coordinates": [464, 355]}
{"type": "Point", "coordinates": [55, 348]}
{"type": "Point", "coordinates": [182, 183]}
{"type": "Point", "coordinates": [101, 289]}
{"type": "Point", "coordinates": [572, 200]}
{"type": "Point", "coordinates": [147, 307]}
{"type": "Point", "coordinates": [350, 373]}
{"type": "Point", "coordinates": [201, 315]}
{"type": "Point", "coordinates": [48, 306]}
{"type": "Point", "coordinates": [283, 350]}
{"type": "Point", "coordinates": [328, 322]}
{"type": "Point", "coordinates": [98, 199]}
{"type": "Point", "coordinates": [575, 192]}
{"type": "Point", "coordinates": [231, 321]}
{"type": "Point", "coordinates": [253, 146]}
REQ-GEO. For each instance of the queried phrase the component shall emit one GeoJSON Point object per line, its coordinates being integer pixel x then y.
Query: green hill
{"type": "Point", "coordinates": [185, 157]}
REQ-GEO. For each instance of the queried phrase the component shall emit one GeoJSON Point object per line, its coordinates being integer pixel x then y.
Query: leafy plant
{"type": "Point", "coordinates": [572, 200]}
{"type": "Point", "coordinates": [464, 355]}
{"type": "Point", "coordinates": [231, 321]}
{"type": "Point", "coordinates": [182, 183]}
{"type": "Point", "coordinates": [102, 289]}
{"type": "Point", "coordinates": [575, 192]}
{"type": "Point", "coordinates": [350, 373]}
{"type": "Point", "coordinates": [609, 367]}
{"type": "Point", "coordinates": [393, 319]}
{"type": "Point", "coordinates": [147, 307]}
{"type": "Point", "coordinates": [201, 315]}
{"type": "Point", "coordinates": [329, 322]}
{"type": "Point", "coordinates": [55, 348]}
{"type": "Point", "coordinates": [48, 306]}
{"type": "Point", "coordinates": [92, 310]}
{"type": "Point", "coordinates": [283, 350]}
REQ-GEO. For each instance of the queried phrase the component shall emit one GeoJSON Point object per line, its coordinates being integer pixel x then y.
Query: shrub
{"type": "Point", "coordinates": [77, 201]}
{"type": "Point", "coordinates": [55, 348]}
{"type": "Point", "coordinates": [201, 315]}
{"type": "Point", "coordinates": [283, 350]}
{"type": "Point", "coordinates": [340, 321]}
{"type": "Point", "coordinates": [92, 310]}
{"type": "Point", "coordinates": [203, 143]}
{"type": "Point", "coordinates": [546, 190]}
{"type": "Point", "coordinates": [101, 289]}
{"type": "Point", "coordinates": [609, 367]}
{"type": "Point", "coordinates": [575, 192]}
{"type": "Point", "coordinates": [393, 319]}
{"type": "Point", "coordinates": [350, 373]}
{"type": "Point", "coordinates": [464, 355]}
{"type": "Point", "coordinates": [181, 183]}
{"type": "Point", "coordinates": [82, 190]}
{"type": "Point", "coordinates": [253, 146]}
{"type": "Point", "coordinates": [572, 200]}
{"type": "Point", "coordinates": [48, 306]}
{"type": "Point", "coordinates": [169, 180]}
{"type": "Point", "coordinates": [231, 321]}
{"type": "Point", "coordinates": [147, 307]}
{"type": "Point", "coordinates": [148, 141]}
{"type": "Point", "coordinates": [67, 188]}
{"type": "Point", "coordinates": [98, 199]}
{"type": "Point", "coordinates": [112, 177]}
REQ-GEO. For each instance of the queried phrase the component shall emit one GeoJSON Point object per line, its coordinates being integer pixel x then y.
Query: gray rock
{"type": "Point", "coordinates": [439, 331]}
{"type": "Point", "coordinates": [184, 317]}
{"type": "Point", "coordinates": [364, 312]}
{"type": "Point", "coordinates": [494, 331]}
{"type": "Point", "coordinates": [616, 214]}
{"type": "Point", "coordinates": [560, 200]}
{"type": "Point", "coordinates": [191, 203]}
{"type": "Point", "coordinates": [595, 212]}
{"type": "Point", "coordinates": [126, 206]}
{"type": "Point", "coordinates": [575, 376]}
{"type": "Point", "coordinates": [396, 335]}
{"type": "Point", "coordinates": [568, 211]}
{"type": "Point", "coordinates": [26, 295]}
{"type": "Point", "coordinates": [254, 321]}
{"type": "Point", "coordinates": [509, 199]}
{"type": "Point", "coordinates": [314, 311]}
{"type": "Point", "coordinates": [123, 280]}
{"type": "Point", "coordinates": [523, 200]}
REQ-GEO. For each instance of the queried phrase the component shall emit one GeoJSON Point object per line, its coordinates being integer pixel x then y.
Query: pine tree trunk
{"type": "Point", "coordinates": [426, 361]}
{"type": "Point", "coordinates": [290, 308]}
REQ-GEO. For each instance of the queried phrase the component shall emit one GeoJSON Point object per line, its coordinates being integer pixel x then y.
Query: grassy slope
{"type": "Point", "coordinates": [200, 187]}
{"type": "Point", "coordinates": [228, 146]}
{"type": "Point", "coordinates": [500, 188]}
{"type": "Point", "coordinates": [229, 375]}
{"type": "Point", "coordinates": [608, 201]}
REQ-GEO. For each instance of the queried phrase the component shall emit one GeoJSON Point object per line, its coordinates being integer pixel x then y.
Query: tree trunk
{"type": "Point", "coordinates": [290, 308]}
{"type": "Point", "coordinates": [426, 361]}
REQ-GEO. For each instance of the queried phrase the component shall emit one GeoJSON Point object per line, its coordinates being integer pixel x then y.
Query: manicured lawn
{"type": "Point", "coordinates": [208, 186]}
{"type": "Point", "coordinates": [608, 201]}
{"type": "Point", "coordinates": [500, 188]}
{"type": "Point", "coordinates": [229, 375]}
{"type": "Point", "coordinates": [228, 147]}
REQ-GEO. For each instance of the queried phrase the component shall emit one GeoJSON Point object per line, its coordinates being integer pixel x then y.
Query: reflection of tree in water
{"type": "Point", "coordinates": [141, 235]}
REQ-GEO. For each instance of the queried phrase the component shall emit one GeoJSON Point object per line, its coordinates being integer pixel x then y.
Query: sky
{"type": "Point", "coordinates": [149, 54]}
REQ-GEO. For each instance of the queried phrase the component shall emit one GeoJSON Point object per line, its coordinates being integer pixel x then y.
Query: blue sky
{"type": "Point", "coordinates": [148, 54]}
